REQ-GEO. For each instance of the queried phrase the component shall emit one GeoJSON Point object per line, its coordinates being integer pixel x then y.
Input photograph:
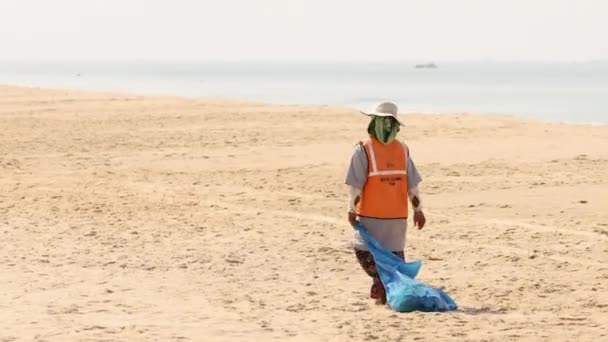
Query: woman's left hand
{"type": "Point", "coordinates": [419, 219]}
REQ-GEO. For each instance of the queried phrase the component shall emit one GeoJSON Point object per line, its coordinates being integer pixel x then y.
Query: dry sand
{"type": "Point", "coordinates": [131, 218]}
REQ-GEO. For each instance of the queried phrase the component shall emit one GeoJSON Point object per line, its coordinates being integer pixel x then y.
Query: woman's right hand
{"type": "Point", "coordinates": [352, 219]}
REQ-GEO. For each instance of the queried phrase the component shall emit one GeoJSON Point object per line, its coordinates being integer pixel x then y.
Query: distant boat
{"type": "Point", "coordinates": [426, 66]}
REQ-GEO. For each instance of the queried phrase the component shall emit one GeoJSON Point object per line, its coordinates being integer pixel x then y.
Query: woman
{"type": "Point", "coordinates": [381, 177]}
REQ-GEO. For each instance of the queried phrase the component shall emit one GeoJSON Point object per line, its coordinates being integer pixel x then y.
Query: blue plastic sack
{"type": "Point", "coordinates": [403, 292]}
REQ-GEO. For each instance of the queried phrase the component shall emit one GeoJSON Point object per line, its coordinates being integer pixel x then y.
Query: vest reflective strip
{"type": "Point", "coordinates": [386, 173]}
{"type": "Point", "coordinates": [372, 156]}
{"type": "Point", "coordinates": [375, 171]}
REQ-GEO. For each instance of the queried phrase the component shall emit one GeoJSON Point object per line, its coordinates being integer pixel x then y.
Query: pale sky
{"type": "Point", "coordinates": [333, 30]}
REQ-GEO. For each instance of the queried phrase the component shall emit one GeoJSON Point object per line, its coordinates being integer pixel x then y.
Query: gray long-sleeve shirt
{"type": "Point", "coordinates": [390, 233]}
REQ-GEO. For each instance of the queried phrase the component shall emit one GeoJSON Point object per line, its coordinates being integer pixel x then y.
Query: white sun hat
{"type": "Point", "coordinates": [385, 109]}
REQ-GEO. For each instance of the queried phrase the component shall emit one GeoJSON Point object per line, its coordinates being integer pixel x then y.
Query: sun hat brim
{"type": "Point", "coordinates": [383, 114]}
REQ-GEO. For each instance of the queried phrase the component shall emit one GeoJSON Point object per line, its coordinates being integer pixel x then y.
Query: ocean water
{"type": "Point", "coordinates": [568, 92]}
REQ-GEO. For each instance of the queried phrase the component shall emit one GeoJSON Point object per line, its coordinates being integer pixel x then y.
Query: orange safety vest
{"type": "Point", "coordinates": [384, 194]}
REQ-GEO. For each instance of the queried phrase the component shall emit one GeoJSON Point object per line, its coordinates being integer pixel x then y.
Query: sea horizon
{"type": "Point", "coordinates": [572, 92]}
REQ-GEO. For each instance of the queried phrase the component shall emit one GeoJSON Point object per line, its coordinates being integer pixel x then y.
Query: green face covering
{"type": "Point", "coordinates": [383, 128]}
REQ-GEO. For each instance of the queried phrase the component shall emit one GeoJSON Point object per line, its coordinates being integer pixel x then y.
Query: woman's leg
{"type": "Point", "coordinates": [366, 260]}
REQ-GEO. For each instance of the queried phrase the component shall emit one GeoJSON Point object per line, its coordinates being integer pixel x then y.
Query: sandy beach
{"type": "Point", "coordinates": [135, 218]}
